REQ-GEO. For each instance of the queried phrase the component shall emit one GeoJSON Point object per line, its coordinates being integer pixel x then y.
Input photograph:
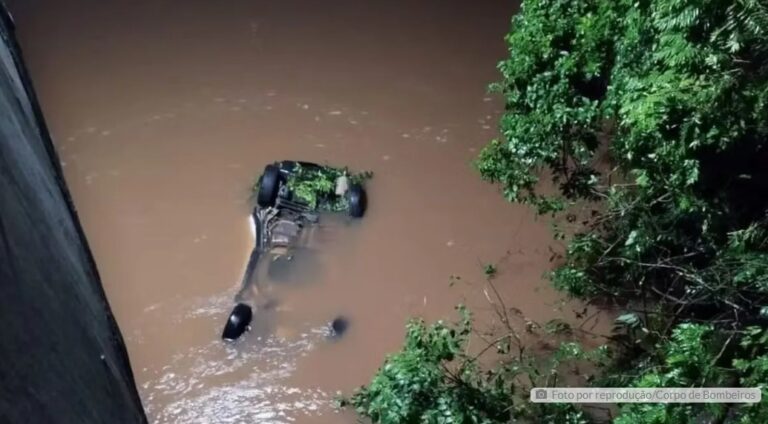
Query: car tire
{"type": "Point", "coordinates": [357, 201]}
{"type": "Point", "coordinates": [238, 322]}
{"type": "Point", "coordinates": [269, 185]}
{"type": "Point", "coordinates": [338, 327]}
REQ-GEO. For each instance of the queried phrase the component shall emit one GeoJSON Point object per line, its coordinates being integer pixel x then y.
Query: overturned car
{"type": "Point", "coordinates": [290, 196]}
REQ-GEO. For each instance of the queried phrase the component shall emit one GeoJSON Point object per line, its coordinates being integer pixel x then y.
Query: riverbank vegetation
{"type": "Point", "coordinates": [650, 119]}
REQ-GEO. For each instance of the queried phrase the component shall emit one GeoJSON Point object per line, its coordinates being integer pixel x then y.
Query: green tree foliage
{"type": "Point", "coordinates": [673, 93]}
{"type": "Point", "coordinates": [693, 356]}
{"type": "Point", "coordinates": [435, 380]}
{"type": "Point", "coordinates": [417, 385]}
{"type": "Point", "coordinates": [676, 91]}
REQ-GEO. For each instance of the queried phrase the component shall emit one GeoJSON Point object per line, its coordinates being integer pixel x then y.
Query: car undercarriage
{"type": "Point", "coordinates": [284, 210]}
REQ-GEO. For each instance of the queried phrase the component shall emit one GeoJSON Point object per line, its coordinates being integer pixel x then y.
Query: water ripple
{"type": "Point", "coordinates": [247, 381]}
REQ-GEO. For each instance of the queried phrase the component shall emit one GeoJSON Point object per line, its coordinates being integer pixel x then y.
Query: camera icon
{"type": "Point", "coordinates": [540, 394]}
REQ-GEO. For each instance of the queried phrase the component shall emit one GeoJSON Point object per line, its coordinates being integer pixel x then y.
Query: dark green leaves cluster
{"type": "Point", "coordinates": [554, 80]}
{"type": "Point", "coordinates": [694, 357]}
{"type": "Point", "coordinates": [665, 82]}
{"type": "Point", "coordinates": [658, 109]}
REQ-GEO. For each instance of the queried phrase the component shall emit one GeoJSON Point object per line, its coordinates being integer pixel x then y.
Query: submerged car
{"type": "Point", "coordinates": [290, 196]}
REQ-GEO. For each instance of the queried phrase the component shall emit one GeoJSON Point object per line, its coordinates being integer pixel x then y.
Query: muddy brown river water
{"type": "Point", "coordinates": [165, 112]}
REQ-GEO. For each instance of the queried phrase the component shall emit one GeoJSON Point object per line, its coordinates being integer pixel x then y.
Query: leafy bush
{"type": "Point", "coordinates": [434, 379]}
{"type": "Point", "coordinates": [417, 385]}
{"type": "Point", "coordinates": [693, 356]}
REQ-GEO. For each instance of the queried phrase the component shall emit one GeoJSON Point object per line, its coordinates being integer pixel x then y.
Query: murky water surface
{"type": "Point", "coordinates": [164, 113]}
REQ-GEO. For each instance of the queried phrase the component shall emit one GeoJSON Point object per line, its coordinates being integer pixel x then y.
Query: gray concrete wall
{"type": "Point", "coordinates": [62, 359]}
